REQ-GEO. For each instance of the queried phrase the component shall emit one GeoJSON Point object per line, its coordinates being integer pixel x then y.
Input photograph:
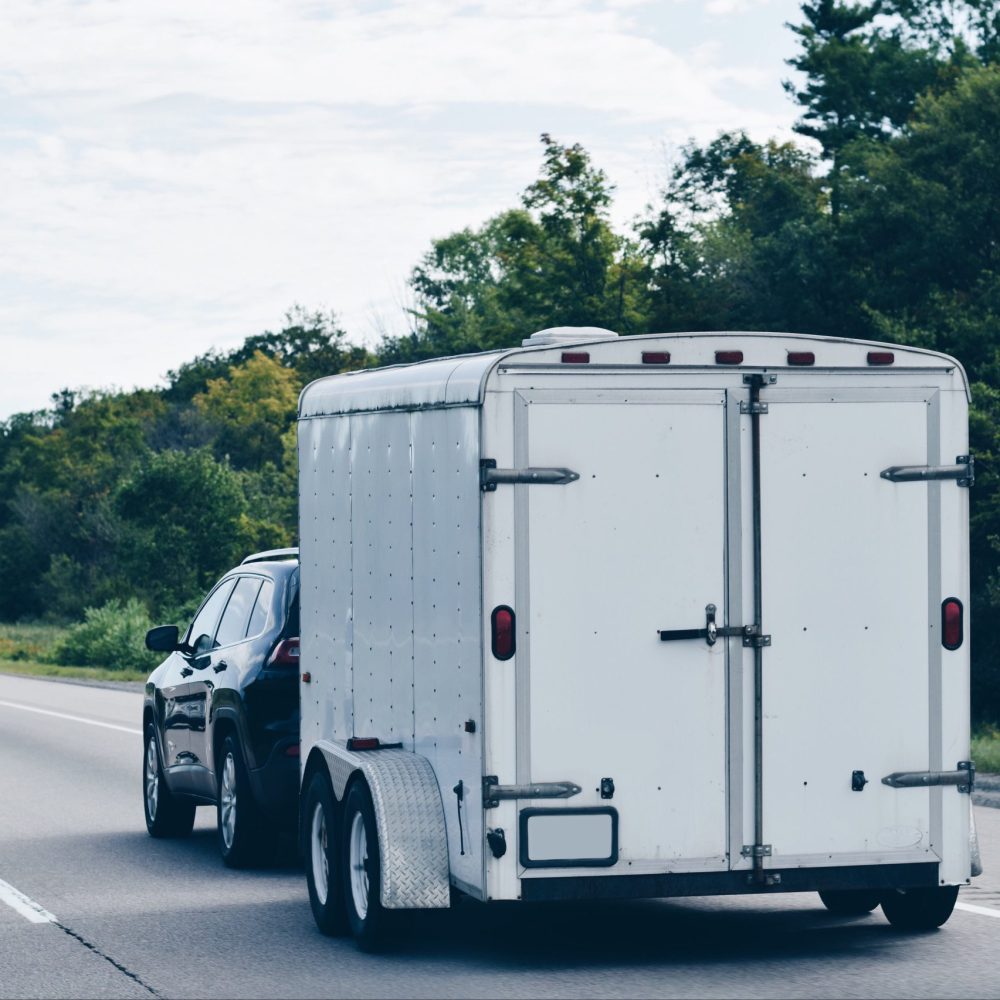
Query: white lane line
{"type": "Point", "coordinates": [986, 911]}
{"type": "Point", "coordinates": [28, 908]}
{"type": "Point", "coordinates": [72, 718]}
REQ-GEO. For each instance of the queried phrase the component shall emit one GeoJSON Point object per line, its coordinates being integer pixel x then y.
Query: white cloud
{"type": "Point", "coordinates": [174, 175]}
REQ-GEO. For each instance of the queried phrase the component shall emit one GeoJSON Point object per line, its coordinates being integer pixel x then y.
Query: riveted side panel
{"type": "Point", "coordinates": [326, 598]}
{"type": "Point", "coordinates": [447, 603]}
{"type": "Point", "coordinates": [383, 576]}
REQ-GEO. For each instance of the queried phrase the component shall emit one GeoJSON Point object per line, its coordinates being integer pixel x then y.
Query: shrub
{"type": "Point", "coordinates": [111, 636]}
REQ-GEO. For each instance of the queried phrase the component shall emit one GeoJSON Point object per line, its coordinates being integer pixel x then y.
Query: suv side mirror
{"type": "Point", "coordinates": [162, 639]}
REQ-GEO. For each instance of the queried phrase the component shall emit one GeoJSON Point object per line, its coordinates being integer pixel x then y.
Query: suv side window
{"type": "Point", "coordinates": [199, 637]}
{"type": "Point", "coordinates": [261, 610]}
{"type": "Point", "coordinates": [233, 627]}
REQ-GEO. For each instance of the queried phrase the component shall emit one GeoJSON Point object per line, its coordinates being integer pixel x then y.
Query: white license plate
{"type": "Point", "coordinates": [552, 838]}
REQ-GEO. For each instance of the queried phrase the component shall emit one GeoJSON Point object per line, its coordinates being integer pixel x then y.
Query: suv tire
{"type": "Point", "coordinates": [244, 836]}
{"type": "Point", "coordinates": [166, 814]}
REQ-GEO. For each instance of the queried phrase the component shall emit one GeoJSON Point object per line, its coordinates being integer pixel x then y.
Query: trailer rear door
{"type": "Point", "coordinates": [851, 598]}
{"type": "Point", "coordinates": [635, 545]}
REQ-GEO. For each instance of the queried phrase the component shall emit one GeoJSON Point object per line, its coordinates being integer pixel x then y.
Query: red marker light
{"type": "Point", "coordinates": [292, 751]}
{"type": "Point", "coordinates": [801, 358]}
{"type": "Point", "coordinates": [952, 624]}
{"type": "Point", "coordinates": [656, 357]}
{"type": "Point", "coordinates": [881, 357]}
{"type": "Point", "coordinates": [729, 357]}
{"type": "Point", "coordinates": [363, 743]}
{"type": "Point", "coordinates": [575, 358]}
{"type": "Point", "coordinates": [502, 642]}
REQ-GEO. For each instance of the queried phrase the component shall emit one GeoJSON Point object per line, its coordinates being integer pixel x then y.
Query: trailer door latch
{"type": "Point", "coordinates": [711, 633]}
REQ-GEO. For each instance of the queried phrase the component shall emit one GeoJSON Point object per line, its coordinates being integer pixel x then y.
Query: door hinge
{"type": "Point", "coordinates": [493, 791]}
{"type": "Point", "coordinates": [963, 472]}
{"type": "Point", "coordinates": [490, 476]}
{"type": "Point", "coordinates": [964, 777]}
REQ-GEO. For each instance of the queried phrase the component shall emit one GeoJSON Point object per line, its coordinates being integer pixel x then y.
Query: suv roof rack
{"type": "Point", "coordinates": [271, 555]}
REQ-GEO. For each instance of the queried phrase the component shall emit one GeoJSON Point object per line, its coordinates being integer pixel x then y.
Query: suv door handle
{"type": "Point", "coordinates": [220, 666]}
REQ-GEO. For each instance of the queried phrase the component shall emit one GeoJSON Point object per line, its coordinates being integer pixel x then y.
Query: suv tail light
{"type": "Point", "coordinates": [286, 654]}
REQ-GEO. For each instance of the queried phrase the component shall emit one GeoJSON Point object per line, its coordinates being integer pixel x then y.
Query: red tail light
{"type": "Point", "coordinates": [502, 642]}
{"type": "Point", "coordinates": [952, 623]}
{"type": "Point", "coordinates": [729, 357]}
{"type": "Point", "coordinates": [656, 357]}
{"type": "Point", "coordinates": [801, 358]}
{"type": "Point", "coordinates": [881, 357]}
{"type": "Point", "coordinates": [286, 654]}
{"type": "Point", "coordinates": [292, 751]}
{"type": "Point", "coordinates": [575, 358]}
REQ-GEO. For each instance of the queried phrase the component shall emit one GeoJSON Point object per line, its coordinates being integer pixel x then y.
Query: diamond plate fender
{"type": "Point", "coordinates": [409, 815]}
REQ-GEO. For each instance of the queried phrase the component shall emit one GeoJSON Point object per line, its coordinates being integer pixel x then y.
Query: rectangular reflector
{"type": "Point", "coordinates": [801, 358]}
{"type": "Point", "coordinates": [656, 357]}
{"type": "Point", "coordinates": [729, 357]}
{"type": "Point", "coordinates": [575, 358]}
{"type": "Point", "coordinates": [881, 357]}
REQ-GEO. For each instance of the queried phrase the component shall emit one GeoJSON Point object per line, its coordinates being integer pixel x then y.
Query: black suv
{"type": "Point", "coordinates": [221, 713]}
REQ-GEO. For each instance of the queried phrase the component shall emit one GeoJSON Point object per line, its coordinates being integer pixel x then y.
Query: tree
{"type": "Point", "coordinates": [554, 261]}
{"type": "Point", "coordinates": [251, 408]}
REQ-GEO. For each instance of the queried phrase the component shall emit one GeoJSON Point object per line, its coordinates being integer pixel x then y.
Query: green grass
{"type": "Point", "coordinates": [30, 668]}
{"type": "Point", "coordinates": [986, 749]}
{"type": "Point", "coordinates": [28, 649]}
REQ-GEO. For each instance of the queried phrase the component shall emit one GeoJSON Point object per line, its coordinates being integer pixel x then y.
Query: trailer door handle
{"type": "Point", "coordinates": [963, 472]}
{"type": "Point", "coordinates": [711, 633]}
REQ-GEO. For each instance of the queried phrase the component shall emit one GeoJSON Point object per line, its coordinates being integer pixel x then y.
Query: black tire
{"type": "Point", "coordinates": [850, 902]}
{"type": "Point", "coordinates": [321, 855]}
{"type": "Point", "coordinates": [167, 815]}
{"type": "Point", "coordinates": [245, 838]}
{"type": "Point", "coordinates": [919, 909]}
{"type": "Point", "coordinates": [373, 928]}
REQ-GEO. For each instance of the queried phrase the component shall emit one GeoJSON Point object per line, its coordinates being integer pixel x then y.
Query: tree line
{"type": "Point", "coordinates": [882, 222]}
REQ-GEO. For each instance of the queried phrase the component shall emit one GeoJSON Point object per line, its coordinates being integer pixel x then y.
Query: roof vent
{"type": "Point", "coordinates": [567, 335]}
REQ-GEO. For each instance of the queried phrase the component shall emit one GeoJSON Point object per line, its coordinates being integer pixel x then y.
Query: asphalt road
{"type": "Point", "coordinates": [126, 916]}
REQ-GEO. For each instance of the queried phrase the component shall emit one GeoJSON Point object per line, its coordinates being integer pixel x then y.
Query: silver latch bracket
{"type": "Point", "coordinates": [751, 408]}
{"type": "Point", "coordinates": [756, 850]}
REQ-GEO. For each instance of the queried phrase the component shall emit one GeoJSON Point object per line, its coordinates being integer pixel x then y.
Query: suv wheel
{"type": "Point", "coordinates": [166, 814]}
{"type": "Point", "coordinates": [243, 835]}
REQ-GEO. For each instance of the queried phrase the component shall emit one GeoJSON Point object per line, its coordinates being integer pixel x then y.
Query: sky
{"type": "Point", "coordinates": [175, 175]}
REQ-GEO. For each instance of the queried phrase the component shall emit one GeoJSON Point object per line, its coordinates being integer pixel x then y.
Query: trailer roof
{"type": "Point", "coordinates": [461, 380]}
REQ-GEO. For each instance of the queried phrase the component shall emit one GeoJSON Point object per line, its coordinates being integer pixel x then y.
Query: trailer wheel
{"type": "Point", "coordinates": [321, 850]}
{"type": "Point", "coordinates": [370, 923]}
{"type": "Point", "coordinates": [850, 902]}
{"type": "Point", "coordinates": [919, 909]}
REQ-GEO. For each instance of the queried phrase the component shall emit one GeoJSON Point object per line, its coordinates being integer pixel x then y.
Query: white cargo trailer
{"type": "Point", "coordinates": [646, 616]}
